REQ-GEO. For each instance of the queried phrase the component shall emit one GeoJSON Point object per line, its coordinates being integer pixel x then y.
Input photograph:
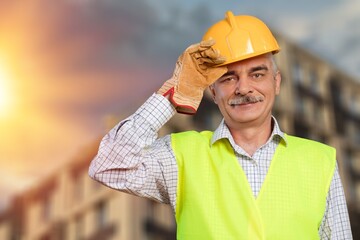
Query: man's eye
{"type": "Point", "coordinates": [257, 75]}
{"type": "Point", "coordinates": [228, 79]}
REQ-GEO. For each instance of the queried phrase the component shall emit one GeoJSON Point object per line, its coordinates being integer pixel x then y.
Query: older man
{"type": "Point", "coordinates": [245, 180]}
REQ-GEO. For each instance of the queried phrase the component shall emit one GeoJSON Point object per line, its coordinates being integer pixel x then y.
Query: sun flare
{"type": "Point", "coordinates": [5, 91]}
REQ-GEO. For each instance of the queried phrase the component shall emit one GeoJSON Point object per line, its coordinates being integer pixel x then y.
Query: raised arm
{"type": "Point", "coordinates": [131, 158]}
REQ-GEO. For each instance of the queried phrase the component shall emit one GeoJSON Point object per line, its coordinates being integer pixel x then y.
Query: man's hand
{"type": "Point", "coordinates": [195, 70]}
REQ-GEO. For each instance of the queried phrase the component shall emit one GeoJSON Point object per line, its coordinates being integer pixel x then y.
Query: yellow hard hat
{"type": "Point", "coordinates": [241, 37]}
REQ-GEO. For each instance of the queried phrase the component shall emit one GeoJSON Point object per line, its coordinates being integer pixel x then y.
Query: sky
{"type": "Point", "coordinates": [67, 66]}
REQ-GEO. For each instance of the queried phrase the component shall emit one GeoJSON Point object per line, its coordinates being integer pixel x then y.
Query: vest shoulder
{"type": "Point", "coordinates": [304, 144]}
{"type": "Point", "coordinates": [306, 141]}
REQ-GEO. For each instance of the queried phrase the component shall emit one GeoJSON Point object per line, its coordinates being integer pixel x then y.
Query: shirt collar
{"type": "Point", "coordinates": [223, 131]}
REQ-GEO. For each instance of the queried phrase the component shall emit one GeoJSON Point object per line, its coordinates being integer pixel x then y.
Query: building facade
{"type": "Point", "coordinates": [70, 205]}
{"type": "Point", "coordinates": [316, 101]}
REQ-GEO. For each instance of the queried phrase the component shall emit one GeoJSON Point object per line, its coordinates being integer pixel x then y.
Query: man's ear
{"type": "Point", "coordinates": [277, 82]}
{"type": "Point", "coordinates": [212, 90]}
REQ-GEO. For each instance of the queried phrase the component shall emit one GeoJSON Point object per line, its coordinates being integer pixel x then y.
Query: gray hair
{"type": "Point", "coordinates": [273, 62]}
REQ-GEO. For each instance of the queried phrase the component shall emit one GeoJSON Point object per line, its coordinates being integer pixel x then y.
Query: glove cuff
{"type": "Point", "coordinates": [183, 104]}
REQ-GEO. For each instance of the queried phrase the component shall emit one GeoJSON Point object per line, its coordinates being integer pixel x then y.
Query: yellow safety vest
{"type": "Point", "coordinates": [215, 201]}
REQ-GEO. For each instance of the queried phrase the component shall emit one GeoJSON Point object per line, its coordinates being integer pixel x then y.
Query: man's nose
{"type": "Point", "coordinates": [243, 87]}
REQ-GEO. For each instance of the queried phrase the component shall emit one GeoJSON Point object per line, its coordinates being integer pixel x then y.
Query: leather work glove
{"type": "Point", "coordinates": [195, 70]}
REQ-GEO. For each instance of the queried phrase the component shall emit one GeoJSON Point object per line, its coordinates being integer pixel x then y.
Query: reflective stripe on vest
{"type": "Point", "coordinates": [214, 199]}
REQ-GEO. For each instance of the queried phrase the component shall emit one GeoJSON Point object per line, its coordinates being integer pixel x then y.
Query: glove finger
{"type": "Point", "coordinates": [197, 55]}
{"type": "Point", "coordinates": [206, 64]}
{"type": "Point", "coordinates": [211, 53]}
{"type": "Point", "coordinates": [218, 60]}
{"type": "Point", "coordinates": [193, 48]}
{"type": "Point", "coordinates": [207, 43]}
{"type": "Point", "coordinates": [199, 47]}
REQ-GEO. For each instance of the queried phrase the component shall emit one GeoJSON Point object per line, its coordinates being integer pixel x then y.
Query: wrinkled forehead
{"type": "Point", "coordinates": [262, 60]}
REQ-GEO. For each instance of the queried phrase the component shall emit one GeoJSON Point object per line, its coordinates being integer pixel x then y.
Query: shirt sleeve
{"type": "Point", "coordinates": [335, 223]}
{"type": "Point", "coordinates": [132, 159]}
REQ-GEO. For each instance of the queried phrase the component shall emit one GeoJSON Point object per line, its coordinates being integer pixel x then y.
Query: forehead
{"type": "Point", "coordinates": [250, 63]}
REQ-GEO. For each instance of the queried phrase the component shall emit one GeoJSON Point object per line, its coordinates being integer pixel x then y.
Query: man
{"type": "Point", "coordinates": [245, 180]}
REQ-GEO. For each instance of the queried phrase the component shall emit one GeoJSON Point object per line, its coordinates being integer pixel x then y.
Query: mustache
{"type": "Point", "coordinates": [245, 99]}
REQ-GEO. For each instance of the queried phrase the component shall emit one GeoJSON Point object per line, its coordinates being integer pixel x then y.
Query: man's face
{"type": "Point", "coordinates": [246, 93]}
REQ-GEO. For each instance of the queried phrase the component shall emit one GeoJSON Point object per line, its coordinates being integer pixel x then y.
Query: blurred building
{"type": "Point", "coordinates": [317, 101]}
{"type": "Point", "coordinates": [70, 205]}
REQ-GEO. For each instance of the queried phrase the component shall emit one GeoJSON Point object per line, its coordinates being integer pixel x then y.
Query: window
{"type": "Point", "coordinates": [314, 81]}
{"type": "Point", "coordinates": [297, 72]}
{"type": "Point", "coordinates": [300, 105]}
{"type": "Point", "coordinates": [336, 95]}
{"type": "Point", "coordinates": [318, 111]}
{"type": "Point", "coordinates": [354, 102]}
{"type": "Point", "coordinates": [301, 129]}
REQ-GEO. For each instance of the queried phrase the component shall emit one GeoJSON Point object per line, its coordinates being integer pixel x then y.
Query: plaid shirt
{"type": "Point", "coordinates": [134, 160]}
